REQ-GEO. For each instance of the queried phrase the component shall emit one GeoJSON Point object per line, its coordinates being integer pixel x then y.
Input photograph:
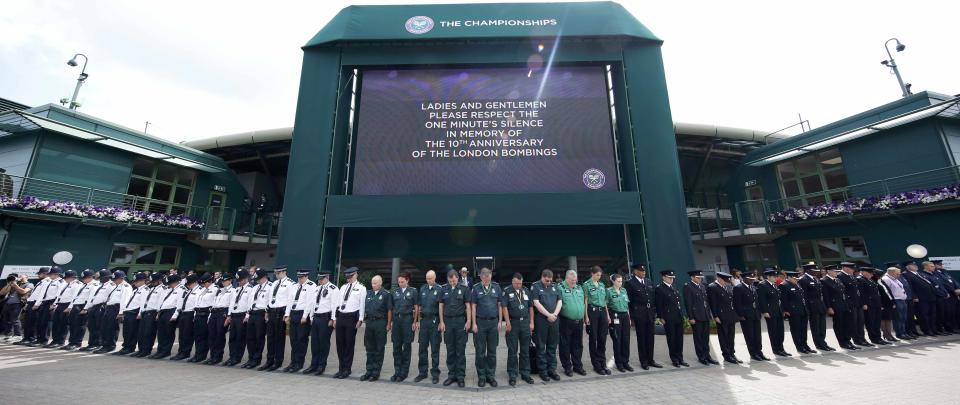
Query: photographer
{"type": "Point", "coordinates": [14, 293]}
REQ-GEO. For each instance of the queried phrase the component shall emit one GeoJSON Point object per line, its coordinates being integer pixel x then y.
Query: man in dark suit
{"type": "Point", "coordinates": [870, 298]}
{"type": "Point", "coordinates": [924, 296]}
{"type": "Point", "coordinates": [931, 305]}
{"type": "Point", "coordinates": [698, 313]}
{"type": "Point", "coordinates": [912, 300]}
{"type": "Point", "coordinates": [640, 294]}
{"type": "Point", "coordinates": [745, 304]}
{"type": "Point", "coordinates": [851, 289]}
{"type": "Point", "coordinates": [721, 305]}
{"type": "Point", "coordinates": [816, 310]}
{"type": "Point", "coordinates": [835, 299]}
{"type": "Point", "coordinates": [768, 303]}
{"type": "Point", "coordinates": [670, 313]}
{"type": "Point", "coordinates": [794, 303]}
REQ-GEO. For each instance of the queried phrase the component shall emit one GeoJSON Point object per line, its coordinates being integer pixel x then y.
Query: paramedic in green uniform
{"type": "Point", "coordinates": [598, 321]}
{"type": "Point", "coordinates": [454, 323]}
{"type": "Point", "coordinates": [485, 313]}
{"type": "Point", "coordinates": [428, 323]}
{"type": "Point", "coordinates": [378, 312]}
{"type": "Point", "coordinates": [405, 301]}
{"type": "Point", "coordinates": [618, 305]}
{"type": "Point", "coordinates": [572, 315]}
{"type": "Point", "coordinates": [546, 300]}
{"type": "Point", "coordinates": [519, 319]}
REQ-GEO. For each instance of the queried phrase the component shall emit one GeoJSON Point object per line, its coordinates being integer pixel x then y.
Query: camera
{"type": "Point", "coordinates": [12, 277]}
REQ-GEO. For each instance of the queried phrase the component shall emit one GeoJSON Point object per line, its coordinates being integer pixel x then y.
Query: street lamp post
{"type": "Point", "coordinates": [80, 80]}
{"type": "Point", "coordinates": [904, 87]}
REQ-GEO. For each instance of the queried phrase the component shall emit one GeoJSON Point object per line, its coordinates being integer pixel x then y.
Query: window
{"type": "Point", "coordinates": [214, 260]}
{"type": "Point", "coordinates": [813, 179]}
{"type": "Point", "coordinates": [132, 257]}
{"type": "Point", "coordinates": [166, 189]}
{"type": "Point", "coordinates": [756, 257]}
{"type": "Point", "coordinates": [832, 250]}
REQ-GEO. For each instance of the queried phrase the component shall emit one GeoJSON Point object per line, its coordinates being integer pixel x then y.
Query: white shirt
{"type": "Point", "coordinates": [115, 297]}
{"type": "Point", "coordinates": [354, 302]}
{"type": "Point", "coordinates": [280, 296]}
{"type": "Point", "coordinates": [68, 292]}
{"type": "Point", "coordinates": [154, 296]}
{"type": "Point", "coordinates": [895, 287]}
{"type": "Point", "coordinates": [328, 296]}
{"type": "Point", "coordinates": [207, 296]}
{"type": "Point", "coordinates": [223, 297]}
{"type": "Point", "coordinates": [38, 290]}
{"type": "Point", "coordinates": [190, 298]}
{"type": "Point", "coordinates": [52, 290]}
{"type": "Point", "coordinates": [135, 300]}
{"type": "Point", "coordinates": [243, 297]}
{"type": "Point", "coordinates": [172, 298]}
{"type": "Point", "coordinates": [302, 298]}
{"type": "Point", "coordinates": [85, 294]}
{"type": "Point", "coordinates": [260, 297]}
{"type": "Point", "coordinates": [100, 294]}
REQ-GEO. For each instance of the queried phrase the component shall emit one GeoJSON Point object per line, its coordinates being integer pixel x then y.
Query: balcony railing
{"type": "Point", "coordinates": [252, 225]}
{"type": "Point", "coordinates": [744, 216]}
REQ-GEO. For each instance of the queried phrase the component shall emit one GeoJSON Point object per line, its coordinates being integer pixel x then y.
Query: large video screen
{"type": "Point", "coordinates": [484, 130]}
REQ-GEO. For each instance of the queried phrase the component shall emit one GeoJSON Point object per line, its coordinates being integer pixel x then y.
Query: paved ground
{"type": "Point", "coordinates": [870, 376]}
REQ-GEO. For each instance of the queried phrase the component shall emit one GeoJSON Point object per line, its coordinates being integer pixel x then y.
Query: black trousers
{"type": "Point", "coordinates": [597, 336]}
{"type": "Point", "coordinates": [701, 339]}
{"type": "Point", "coordinates": [238, 336]}
{"type": "Point", "coordinates": [77, 323]}
{"type": "Point", "coordinates": [927, 314]}
{"type": "Point", "coordinates": [184, 334]}
{"type": "Point", "coordinates": [109, 326]}
{"type": "Point", "coordinates": [201, 333]}
{"type": "Point", "coordinates": [9, 317]}
{"type": "Point", "coordinates": [911, 317]}
{"type": "Point", "coordinates": [60, 324]}
{"type": "Point", "coordinates": [148, 331]}
{"type": "Point", "coordinates": [941, 314]}
{"type": "Point", "coordinates": [320, 332]}
{"type": "Point", "coordinates": [818, 328]}
{"type": "Point", "coordinates": [346, 339]}
{"type": "Point", "coordinates": [872, 323]}
{"type": "Point", "coordinates": [841, 317]}
{"type": "Point", "coordinates": [43, 321]}
{"type": "Point", "coordinates": [752, 336]}
{"type": "Point", "coordinates": [131, 329]}
{"type": "Point", "coordinates": [30, 322]}
{"type": "Point", "coordinates": [644, 329]}
{"type": "Point", "coordinates": [166, 331]}
{"type": "Point", "coordinates": [571, 344]}
{"type": "Point", "coordinates": [775, 330]}
{"type": "Point", "coordinates": [726, 331]}
{"type": "Point", "coordinates": [93, 325]}
{"type": "Point", "coordinates": [950, 312]}
{"type": "Point", "coordinates": [855, 326]}
{"type": "Point", "coordinates": [217, 333]}
{"type": "Point", "coordinates": [276, 336]}
{"type": "Point", "coordinates": [674, 332]}
{"type": "Point", "coordinates": [299, 338]}
{"type": "Point", "coordinates": [256, 332]}
{"type": "Point", "coordinates": [620, 336]}
{"type": "Point", "coordinates": [798, 330]}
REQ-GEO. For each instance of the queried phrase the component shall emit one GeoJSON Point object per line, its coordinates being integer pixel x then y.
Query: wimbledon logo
{"type": "Point", "coordinates": [419, 25]}
{"type": "Point", "coordinates": [593, 179]}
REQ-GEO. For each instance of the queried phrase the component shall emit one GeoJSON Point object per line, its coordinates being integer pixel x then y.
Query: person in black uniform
{"type": "Point", "coordinates": [721, 305]}
{"type": "Point", "coordinates": [925, 297]}
{"type": "Point", "coordinates": [641, 296]}
{"type": "Point", "coordinates": [698, 313]}
{"type": "Point", "coordinates": [257, 319]}
{"type": "Point", "coordinates": [405, 301]}
{"type": "Point", "coordinates": [870, 298]}
{"type": "Point", "coordinates": [455, 322]}
{"type": "Point", "coordinates": [768, 303]}
{"type": "Point", "coordinates": [813, 292]}
{"type": "Point", "coordinates": [851, 289]}
{"type": "Point", "coordinates": [910, 324]}
{"type": "Point", "coordinates": [835, 299]}
{"type": "Point", "coordinates": [793, 301]}
{"type": "Point", "coordinates": [745, 304]}
{"type": "Point", "coordinates": [670, 313]}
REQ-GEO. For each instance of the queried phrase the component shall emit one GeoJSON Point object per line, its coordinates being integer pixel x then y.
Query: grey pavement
{"type": "Point", "coordinates": [869, 376]}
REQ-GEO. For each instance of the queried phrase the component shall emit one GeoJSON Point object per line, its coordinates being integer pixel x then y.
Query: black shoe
{"type": "Point", "coordinates": [683, 363]}
{"type": "Point", "coordinates": [365, 377]}
{"type": "Point", "coordinates": [266, 367]}
{"type": "Point", "coordinates": [122, 352]}
{"type": "Point", "coordinates": [675, 364]}
{"type": "Point", "coordinates": [764, 358]}
{"type": "Point", "coordinates": [103, 350]}
{"type": "Point", "coordinates": [137, 354]}
{"type": "Point", "coordinates": [544, 377]}
{"type": "Point", "coordinates": [829, 349]}
{"type": "Point", "coordinates": [580, 370]}
{"type": "Point", "coordinates": [527, 379]}
{"type": "Point", "coordinates": [309, 370]}
{"type": "Point", "coordinates": [320, 371]}
{"type": "Point", "coordinates": [482, 382]}
{"type": "Point", "coordinates": [755, 357]}
{"type": "Point", "coordinates": [607, 371]}
{"type": "Point", "coordinates": [435, 379]}
{"type": "Point", "coordinates": [712, 361]}
{"type": "Point", "coordinates": [568, 373]}
{"type": "Point", "coordinates": [419, 378]}
{"type": "Point", "coordinates": [512, 382]}
{"type": "Point", "coordinates": [655, 364]}
{"type": "Point", "coordinates": [704, 362]}
{"type": "Point", "coordinates": [393, 378]}
{"type": "Point", "coordinates": [644, 366]}
{"type": "Point", "coordinates": [621, 369]}
{"type": "Point", "coordinates": [627, 367]}
{"type": "Point", "coordinates": [294, 368]}
{"type": "Point", "coordinates": [553, 375]}
{"type": "Point", "coordinates": [400, 378]}
{"type": "Point", "coordinates": [492, 381]}
{"type": "Point", "coordinates": [447, 382]}
{"type": "Point", "coordinates": [51, 345]}
{"type": "Point", "coordinates": [737, 360]}
{"type": "Point", "coordinates": [338, 375]}
{"type": "Point", "coordinates": [730, 360]}
{"type": "Point", "coordinates": [599, 371]}
{"type": "Point", "coordinates": [275, 367]}
{"type": "Point", "coordinates": [374, 377]}
{"type": "Point", "coordinates": [89, 348]}
{"type": "Point", "coordinates": [881, 342]}
{"type": "Point", "coordinates": [811, 351]}
{"type": "Point", "coordinates": [460, 383]}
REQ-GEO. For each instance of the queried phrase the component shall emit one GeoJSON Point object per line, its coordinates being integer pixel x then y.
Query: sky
{"type": "Point", "coordinates": [198, 69]}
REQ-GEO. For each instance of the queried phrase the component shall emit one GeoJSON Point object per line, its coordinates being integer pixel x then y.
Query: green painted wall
{"type": "Point", "coordinates": [82, 163]}
{"type": "Point", "coordinates": [883, 155]}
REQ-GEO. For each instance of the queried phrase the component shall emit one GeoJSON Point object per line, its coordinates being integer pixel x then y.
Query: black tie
{"type": "Point", "coordinates": [130, 300]}
{"type": "Point", "coordinates": [319, 293]}
{"type": "Point", "coordinates": [62, 291]}
{"type": "Point", "coordinates": [81, 291]}
{"type": "Point", "coordinates": [147, 301]}
{"type": "Point", "coordinates": [347, 297]}
{"type": "Point", "coordinates": [256, 294]}
{"type": "Point", "coordinates": [275, 289]}
{"type": "Point", "coordinates": [297, 297]}
{"type": "Point", "coordinates": [186, 293]}
{"type": "Point", "coordinates": [164, 298]}
{"type": "Point", "coordinates": [239, 295]}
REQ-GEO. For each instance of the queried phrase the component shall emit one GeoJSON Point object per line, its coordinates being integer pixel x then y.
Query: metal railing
{"type": "Point", "coordinates": [251, 224]}
{"type": "Point", "coordinates": [743, 215]}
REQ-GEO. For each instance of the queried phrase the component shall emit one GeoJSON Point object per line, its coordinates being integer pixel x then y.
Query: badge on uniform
{"type": "Point", "coordinates": [511, 295]}
{"type": "Point", "coordinates": [434, 293]}
{"type": "Point", "coordinates": [380, 297]}
{"type": "Point", "coordinates": [459, 292]}
{"type": "Point", "coordinates": [616, 321]}
{"type": "Point", "coordinates": [408, 294]}
{"type": "Point", "coordinates": [521, 307]}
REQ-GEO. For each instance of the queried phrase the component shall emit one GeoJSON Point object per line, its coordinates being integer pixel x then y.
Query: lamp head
{"type": "Point", "coordinates": [72, 62]}
{"type": "Point", "coordinates": [900, 47]}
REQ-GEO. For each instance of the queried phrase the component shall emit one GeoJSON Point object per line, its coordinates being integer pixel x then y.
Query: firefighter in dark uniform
{"type": "Point", "coordinates": [870, 297]}
{"type": "Point", "coordinates": [698, 314]}
{"type": "Point", "coordinates": [405, 300]}
{"type": "Point", "coordinates": [745, 304]}
{"type": "Point", "coordinates": [643, 314]}
{"type": "Point", "coordinates": [768, 302]}
{"type": "Point", "coordinates": [378, 311]}
{"type": "Point", "coordinates": [721, 305]}
{"type": "Point", "coordinates": [794, 303]}
{"type": "Point", "coordinates": [670, 313]}
{"type": "Point", "coordinates": [851, 289]}
{"type": "Point", "coordinates": [816, 310]}
{"type": "Point", "coordinates": [454, 323]}
{"type": "Point", "coordinates": [518, 315]}
{"type": "Point", "coordinates": [428, 325]}
{"type": "Point", "coordinates": [835, 299]}
{"type": "Point", "coordinates": [485, 313]}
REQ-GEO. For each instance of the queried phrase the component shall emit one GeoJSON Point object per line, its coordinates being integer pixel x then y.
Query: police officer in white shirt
{"type": "Point", "coordinates": [76, 321]}
{"type": "Point", "coordinates": [349, 317]}
{"type": "Point", "coordinates": [206, 294]}
{"type": "Point", "coordinates": [44, 305]}
{"type": "Point", "coordinates": [257, 319]}
{"type": "Point", "coordinates": [30, 323]}
{"type": "Point", "coordinates": [297, 315]}
{"type": "Point", "coordinates": [148, 316]}
{"type": "Point", "coordinates": [217, 325]}
{"type": "Point", "coordinates": [279, 298]}
{"type": "Point", "coordinates": [129, 310]}
{"type": "Point", "coordinates": [94, 310]}
{"type": "Point", "coordinates": [170, 302]}
{"type": "Point", "coordinates": [189, 295]}
{"type": "Point", "coordinates": [242, 299]}
{"type": "Point", "coordinates": [322, 323]}
{"type": "Point", "coordinates": [59, 309]}
{"type": "Point", "coordinates": [109, 324]}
